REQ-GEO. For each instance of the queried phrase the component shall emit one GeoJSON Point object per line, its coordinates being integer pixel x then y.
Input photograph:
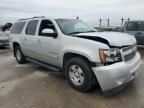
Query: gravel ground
{"type": "Point", "coordinates": [32, 86]}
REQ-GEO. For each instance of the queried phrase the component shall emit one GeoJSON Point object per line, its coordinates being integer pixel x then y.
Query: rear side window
{"type": "Point", "coordinates": [31, 27]}
{"type": "Point", "coordinates": [17, 28]}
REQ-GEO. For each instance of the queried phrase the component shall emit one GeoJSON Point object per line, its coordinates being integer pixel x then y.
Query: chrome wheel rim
{"type": "Point", "coordinates": [18, 55]}
{"type": "Point", "coordinates": [76, 75]}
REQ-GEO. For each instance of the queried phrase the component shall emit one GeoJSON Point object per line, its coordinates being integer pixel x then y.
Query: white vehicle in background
{"type": "Point", "coordinates": [85, 56]}
{"type": "Point", "coordinates": [4, 39]}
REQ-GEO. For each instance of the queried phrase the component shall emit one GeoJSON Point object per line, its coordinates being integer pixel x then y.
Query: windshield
{"type": "Point", "coordinates": [73, 26]}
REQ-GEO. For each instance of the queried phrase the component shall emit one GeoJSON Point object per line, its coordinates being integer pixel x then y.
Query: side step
{"type": "Point", "coordinates": [55, 69]}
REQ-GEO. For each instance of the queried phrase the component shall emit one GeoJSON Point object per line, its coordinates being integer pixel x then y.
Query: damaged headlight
{"type": "Point", "coordinates": [110, 56]}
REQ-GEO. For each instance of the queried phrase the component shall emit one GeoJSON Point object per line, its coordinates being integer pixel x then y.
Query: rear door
{"type": "Point", "coordinates": [29, 39]}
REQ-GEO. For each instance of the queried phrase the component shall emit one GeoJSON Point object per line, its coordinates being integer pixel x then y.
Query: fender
{"type": "Point", "coordinates": [75, 52]}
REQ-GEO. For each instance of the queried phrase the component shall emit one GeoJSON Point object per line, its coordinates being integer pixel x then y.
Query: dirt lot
{"type": "Point", "coordinates": [32, 86]}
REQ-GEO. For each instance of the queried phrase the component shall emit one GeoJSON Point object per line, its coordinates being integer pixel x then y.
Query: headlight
{"type": "Point", "coordinates": [109, 56]}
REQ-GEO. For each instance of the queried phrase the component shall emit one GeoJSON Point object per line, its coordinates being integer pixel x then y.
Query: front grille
{"type": "Point", "coordinates": [129, 52]}
{"type": "Point", "coordinates": [3, 41]}
{"type": "Point", "coordinates": [127, 48]}
{"type": "Point", "coordinates": [129, 56]}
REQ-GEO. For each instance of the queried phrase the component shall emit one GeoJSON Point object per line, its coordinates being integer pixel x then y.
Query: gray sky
{"type": "Point", "coordinates": [88, 10]}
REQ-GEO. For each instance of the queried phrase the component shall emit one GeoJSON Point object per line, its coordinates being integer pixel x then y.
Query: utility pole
{"type": "Point", "coordinates": [122, 20]}
{"type": "Point", "coordinates": [100, 22]}
{"type": "Point", "coordinates": [108, 22]}
{"type": "Point", "coordinates": [77, 17]}
{"type": "Point", "coordinates": [128, 19]}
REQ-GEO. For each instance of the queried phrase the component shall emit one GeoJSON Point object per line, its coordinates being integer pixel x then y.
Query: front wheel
{"type": "Point", "coordinates": [19, 55]}
{"type": "Point", "coordinates": [79, 74]}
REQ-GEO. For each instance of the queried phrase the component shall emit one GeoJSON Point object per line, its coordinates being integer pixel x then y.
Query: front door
{"type": "Point", "coordinates": [50, 47]}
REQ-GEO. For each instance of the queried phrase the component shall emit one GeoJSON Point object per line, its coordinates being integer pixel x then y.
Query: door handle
{"type": "Point", "coordinates": [25, 39]}
{"type": "Point", "coordinates": [138, 33]}
{"type": "Point", "coordinates": [38, 41]}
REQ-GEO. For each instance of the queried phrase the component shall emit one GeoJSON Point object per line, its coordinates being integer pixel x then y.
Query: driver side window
{"type": "Point", "coordinates": [46, 24]}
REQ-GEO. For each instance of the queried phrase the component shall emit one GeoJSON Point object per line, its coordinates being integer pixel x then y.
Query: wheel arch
{"type": "Point", "coordinates": [68, 55]}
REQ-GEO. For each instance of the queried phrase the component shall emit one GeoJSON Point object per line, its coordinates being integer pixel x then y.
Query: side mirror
{"type": "Point", "coordinates": [49, 32]}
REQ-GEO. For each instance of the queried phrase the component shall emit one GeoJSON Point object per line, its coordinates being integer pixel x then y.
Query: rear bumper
{"type": "Point", "coordinates": [118, 74]}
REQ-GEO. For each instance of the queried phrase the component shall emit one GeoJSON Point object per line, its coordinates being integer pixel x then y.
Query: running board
{"type": "Point", "coordinates": [55, 69]}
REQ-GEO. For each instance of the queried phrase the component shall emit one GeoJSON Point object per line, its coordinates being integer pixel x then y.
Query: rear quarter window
{"type": "Point", "coordinates": [17, 28]}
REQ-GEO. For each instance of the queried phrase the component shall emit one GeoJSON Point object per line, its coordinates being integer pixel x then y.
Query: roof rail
{"type": "Point", "coordinates": [24, 19]}
{"type": "Point", "coordinates": [31, 18]}
{"type": "Point", "coordinates": [39, 17]}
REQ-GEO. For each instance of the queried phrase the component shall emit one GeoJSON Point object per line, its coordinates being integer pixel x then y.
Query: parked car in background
{"type": "Point", "coordinates": [85, 56]}
{"type": "Point", "coordinates": [135, 28]}
{"type": "Point", "coordinates": [4, 39]}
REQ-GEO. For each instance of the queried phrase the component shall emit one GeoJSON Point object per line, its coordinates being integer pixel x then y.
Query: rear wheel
{"type": "Point", "coordinates": [19, 55]}
{"type": "Point", "coordinates": [79, 74]}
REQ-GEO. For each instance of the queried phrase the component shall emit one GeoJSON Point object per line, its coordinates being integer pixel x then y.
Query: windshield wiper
{"type": "Point", "coordinates": [74, 33]}
{"type": "Point", "coordinates": [90, 31]}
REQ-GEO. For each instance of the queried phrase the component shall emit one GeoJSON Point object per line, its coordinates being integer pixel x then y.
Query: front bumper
{"type": "Point", "coordinates": [118, 74]}
{"type": "Point", "coordinates": [4, 43]}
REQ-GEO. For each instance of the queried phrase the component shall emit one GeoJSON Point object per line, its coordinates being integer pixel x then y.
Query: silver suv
{"type": "Point", "coordinates": [86, 56]}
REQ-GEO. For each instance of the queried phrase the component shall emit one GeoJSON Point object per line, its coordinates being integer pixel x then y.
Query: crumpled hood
{"type": "Point", "coordinates": [114, 38]}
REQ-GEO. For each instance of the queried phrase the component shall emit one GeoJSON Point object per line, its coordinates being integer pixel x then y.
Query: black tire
{"type": "Point", "coordinates": [88, 74]}
{"type": "Point", "coordinates": [20, 60]}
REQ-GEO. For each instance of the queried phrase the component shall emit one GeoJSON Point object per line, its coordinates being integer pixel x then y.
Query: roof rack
{"type": "Point", "coordinates": [24, 19]}
{"type": "Point", "coordinates": [31, 18]}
